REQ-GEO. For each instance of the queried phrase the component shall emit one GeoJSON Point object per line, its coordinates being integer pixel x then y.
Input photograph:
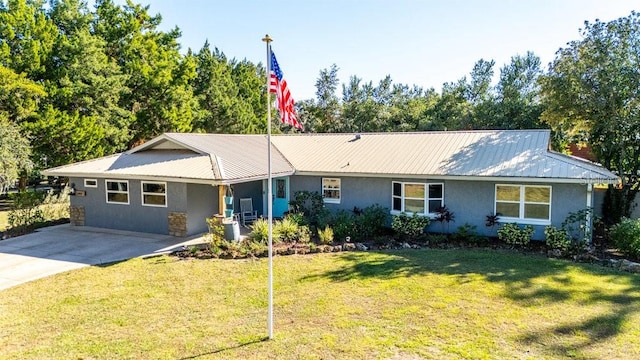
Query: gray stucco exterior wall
{"type": "Point", "coordinates": [197, 201]}
{"type": "Point", "coordinates": [202, 203]}
{"type": "Point", "coordinates": [251, 190]}
{"type": "Point", "coordinates": [470, 201]}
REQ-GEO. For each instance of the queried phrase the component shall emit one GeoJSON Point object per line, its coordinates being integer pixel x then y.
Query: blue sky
{"type": "Point", "coordinates": [425, 43]}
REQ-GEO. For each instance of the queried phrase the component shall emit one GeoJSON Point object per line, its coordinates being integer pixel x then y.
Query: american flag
{"type": "Point", "coordinates": [278, 85]}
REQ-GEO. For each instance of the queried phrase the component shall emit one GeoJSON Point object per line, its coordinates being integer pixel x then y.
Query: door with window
{"type": "Point", "coordinates": [280, 188]}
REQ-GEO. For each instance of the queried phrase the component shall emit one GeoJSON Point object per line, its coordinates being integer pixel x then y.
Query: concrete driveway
{"type": "Point", "coordinates": [61, 248]}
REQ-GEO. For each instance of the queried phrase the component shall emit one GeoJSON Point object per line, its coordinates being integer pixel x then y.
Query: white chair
{"type": "Point", "coordinates": [247, 214]}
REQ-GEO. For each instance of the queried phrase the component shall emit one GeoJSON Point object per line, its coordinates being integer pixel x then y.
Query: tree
{"type": "Point", "coordinates": [15, 153]}
{"type": "Point", "coordinates": [83, 82]}
{"type": "Point", "coordinates": [519, 93]}
{"type": "Point", "coordinates": [324, 113]}
{"type": "Point", "coordinates": [27, 37]}
{"type": "Point", "coordinates": [160, 97]}
{"type": "Point", "coordinates": [19, 96]}
{"type": "Point", "coordinates": [592, 95]}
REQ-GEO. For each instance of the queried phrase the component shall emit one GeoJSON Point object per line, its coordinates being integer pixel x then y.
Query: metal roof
{"type": "Point", "coordinates": [519, 154]}
{"type": "Point", "coordinates": [206, 158]}
{"type": "Point", "coordinates": [223, 158]}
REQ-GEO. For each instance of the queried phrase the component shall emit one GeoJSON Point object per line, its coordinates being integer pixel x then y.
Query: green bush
{"type": "Point", "coordinates": [55, 206]}
{"type": "Point", "coordinates": [343, 225]}
{"type": "Point", "coordinates": [409, 227]}
{"type": "Point", "coordinates": [557, 239]}
{"type": "Point", "coordinates": [25, 210]}
{"type": "Point", "coordinates": [214, 239]}
{"type": "Point", "coordinates": [512, 234]}
{"type": "Point", "coordinates": [371, 222]}
{"type": "Point", "coordinates": [626, 236]}
{"type": "Point", "coordinates": [326, 235]}
{"type": "Point", "coordinates": [577, 225]}
{"type": "Point", "coordinates": [297, 218]}
{"type": "Point", "coordinates": [260, 232]}
{"type": "Point", "coordinates": [468, 233]}
{"type": "Point", "coordinates": [436, 239]}
{"type": "Point", "coordinates": [286, 229]}
{"type": "Point", "coordinates": [304, 234]}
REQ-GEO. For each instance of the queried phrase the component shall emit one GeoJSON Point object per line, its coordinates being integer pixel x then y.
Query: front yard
{"type": "Point", "coordinates": [410, 304]}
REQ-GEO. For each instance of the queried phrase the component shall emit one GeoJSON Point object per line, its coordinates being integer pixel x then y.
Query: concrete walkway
{"type": "Point", "coordinates": [61, 248]}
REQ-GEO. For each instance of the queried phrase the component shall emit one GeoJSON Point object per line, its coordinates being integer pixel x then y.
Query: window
{"type": "Point", "coordinates": [524, 202]}
{"type": "Point", "coordinates": [154, 193]}
{"type": "Point", "coordinates": [331, 190]}
{"type": "Point", "coordinates": [417, 197]}
{"type": "Point", "coordinates": [91, 183]}
{"type": "Point", "coordinates": [117, 191]}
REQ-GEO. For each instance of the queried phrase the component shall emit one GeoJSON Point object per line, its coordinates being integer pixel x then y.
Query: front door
{"type": "Point", "coordinates": [280, 196]}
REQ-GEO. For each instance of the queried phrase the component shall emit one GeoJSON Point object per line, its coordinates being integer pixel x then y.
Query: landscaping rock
{"type": "Point", "coordinates": [361, 247]}
{"type": "Point", "coordinates": [337, 248]}
{"type": "Point", "coordinates": [556, 253]}
{"type": "Point", "coordinates": [348, 247]}
{"type": "Point", "coordinates": [406, 246]}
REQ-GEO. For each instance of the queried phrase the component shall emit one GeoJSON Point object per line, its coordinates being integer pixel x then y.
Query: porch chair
{"type": "Point", "coordinates": [247, 214]}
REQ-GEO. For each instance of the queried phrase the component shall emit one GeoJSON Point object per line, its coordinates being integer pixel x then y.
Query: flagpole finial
{"type": "Point", "coordinates": [267, 39]}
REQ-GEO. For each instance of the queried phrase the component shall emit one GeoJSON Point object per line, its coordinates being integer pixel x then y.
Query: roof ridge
{"type": "Point", "coordinates": [400, 133]}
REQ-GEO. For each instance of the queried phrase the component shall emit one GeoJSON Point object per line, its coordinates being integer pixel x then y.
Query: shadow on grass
{"type": "Point", "coordinates": [528, 280]}
{"type": "Point", "coordinates": [218, 351]}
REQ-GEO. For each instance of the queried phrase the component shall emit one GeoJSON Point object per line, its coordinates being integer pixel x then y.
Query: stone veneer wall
{"type": "Point", "coordinates": [177, 224]}
{"type": "Point", "coordinates": [76, 215]}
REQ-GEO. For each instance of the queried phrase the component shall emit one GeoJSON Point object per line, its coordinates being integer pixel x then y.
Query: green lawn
{"type": "Point", "coordinates": [414, 304]}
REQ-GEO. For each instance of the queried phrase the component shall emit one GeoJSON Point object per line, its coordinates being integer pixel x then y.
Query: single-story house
{"type": "Point", "coordinates": [171, 183]}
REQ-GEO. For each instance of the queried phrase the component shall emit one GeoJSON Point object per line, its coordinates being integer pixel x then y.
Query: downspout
{"type": "Point", "coordinates": [589, 223]}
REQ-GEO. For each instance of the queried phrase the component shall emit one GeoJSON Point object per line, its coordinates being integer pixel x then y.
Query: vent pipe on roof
{"type": "Point", "coordinates": [355, 137]}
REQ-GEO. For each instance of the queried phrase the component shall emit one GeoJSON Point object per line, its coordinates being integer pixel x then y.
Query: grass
{"type": "Point", "coordinates": [414, 304]}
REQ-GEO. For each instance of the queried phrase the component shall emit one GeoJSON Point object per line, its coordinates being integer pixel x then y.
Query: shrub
{"type": "Point", "coordinates": [409, 227]}
{"type": "Point", "coordinates": [297, 218]}
{"type": "Point", "coordinates": [577, 226]}
{"type": "Point", "coordinates": [468, 233]}
{"type": "Point", "coordinates": [626, 236]}
{"type": "Point", "coordinates": [343, 225]}
{"type": "Point", "coordinates": [310, 204]}
{"type": "Point", "coordinates": [304, 234]}
{"type": "Point", "coordinates": [286, 229]}
{"type": "Point", "coordinates": [557, 239]}
{"type": "Point", "coordinates": [512, 234]}
{"type": "Point", "coordinates": [55, 206]}
{"type": "Point", "coordinates": [260, 232]}
{"type": "Point", "coordinates": [326, 235]}
{"type": "Point", "coordinates": [436, 239]}
{"type": "Point", "coordinates": [370, 222]}
{"type": "Point", "coordinates": [25, 209]}
{"type": "Point", "coordinates": [444, 215]}
{"type": "Point", "coordinates": [214, 239]}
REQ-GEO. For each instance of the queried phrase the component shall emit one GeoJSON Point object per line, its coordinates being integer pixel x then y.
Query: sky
{"type": "Point", "coordinates": [424, 43]}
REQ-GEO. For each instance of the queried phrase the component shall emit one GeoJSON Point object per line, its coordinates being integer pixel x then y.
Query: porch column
{"type": "Point", "coordinates": [221, 193]}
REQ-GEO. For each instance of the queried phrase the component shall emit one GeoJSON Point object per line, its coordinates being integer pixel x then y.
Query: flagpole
{"type": "Point", "coordinates": [268, 40]}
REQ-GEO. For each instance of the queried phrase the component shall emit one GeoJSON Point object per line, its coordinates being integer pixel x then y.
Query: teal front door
{"type": "Point", "coordinates": [280, 196]}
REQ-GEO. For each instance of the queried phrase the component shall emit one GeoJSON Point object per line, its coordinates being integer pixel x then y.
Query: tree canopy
{"type": "Point", "coordinates": [78, 83]}
{"type": "Point", "coordinates": [592, 95]}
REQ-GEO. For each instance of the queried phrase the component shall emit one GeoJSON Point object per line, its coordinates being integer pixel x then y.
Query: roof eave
{"type": "Point", "coordinates": [465, 177]}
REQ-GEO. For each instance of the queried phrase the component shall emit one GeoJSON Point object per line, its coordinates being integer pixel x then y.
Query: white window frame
{"type": "Point", "coordinates": [143, 193]}
{"type": "Point", "coordinates": [426, 198]}
{"type": "Point", "coordinates": [521, 219]}
{"type": "Point", "coordinates": [107, 191]}
{"type": "Point", "coordinates": [332, 200]}
{"type": "Point", "coordinates": [95, 185]}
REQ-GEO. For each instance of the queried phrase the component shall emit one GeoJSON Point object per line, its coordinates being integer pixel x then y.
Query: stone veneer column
{"type": "Point", "coordinates": [76, 215]}
{"type": "Point", "coordinates": [177, 224]}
